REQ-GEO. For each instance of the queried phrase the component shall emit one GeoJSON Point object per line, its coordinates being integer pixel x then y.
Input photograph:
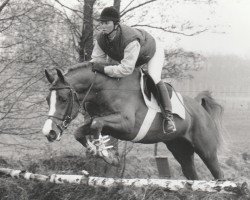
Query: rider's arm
{"type": "Point", "coordinates": [127, 65]}
{"type": "Point", "coordinates": [97, 54]}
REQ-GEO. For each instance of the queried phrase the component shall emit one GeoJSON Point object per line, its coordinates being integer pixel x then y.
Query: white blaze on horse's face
{"type": "Point", "coordinates": [48, 123]}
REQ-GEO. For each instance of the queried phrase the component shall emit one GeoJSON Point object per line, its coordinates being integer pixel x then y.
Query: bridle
{"type": "Point", "coordinates": [67, 117]}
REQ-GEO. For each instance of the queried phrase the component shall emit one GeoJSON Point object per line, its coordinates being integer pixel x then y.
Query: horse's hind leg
{"type": "Point", "coordinates": [210, 159]}
{"type": "Point", "coordinates": [183, 152]}
{"type": "Point", "coordinates": [206, 148]}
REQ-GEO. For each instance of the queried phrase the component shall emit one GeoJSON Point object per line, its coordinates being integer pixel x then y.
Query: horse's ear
{"type": "Point", "coordinates": [60, 75]}
{"type": "Point", "coordinates": [49, 76]}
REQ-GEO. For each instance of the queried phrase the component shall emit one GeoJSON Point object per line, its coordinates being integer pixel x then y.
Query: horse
{"type": "Point", "coordinates": [116, 107]}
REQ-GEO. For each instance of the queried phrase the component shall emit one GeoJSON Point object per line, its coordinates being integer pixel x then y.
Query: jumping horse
{"type": "Point", "coordinates": [116, 107]}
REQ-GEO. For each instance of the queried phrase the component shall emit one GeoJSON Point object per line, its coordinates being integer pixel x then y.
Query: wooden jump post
{"type": "Point", "coordinates": [162, 164]}
{"type": "Point", "coordinates": [172, 185]}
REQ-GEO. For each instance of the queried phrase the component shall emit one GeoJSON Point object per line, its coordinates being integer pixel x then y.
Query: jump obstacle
{"type": "Point", "coordinates": [221, 186]}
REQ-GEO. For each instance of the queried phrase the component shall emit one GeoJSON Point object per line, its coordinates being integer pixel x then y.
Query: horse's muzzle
{"type": "Point", "coordinates": [52, 136]}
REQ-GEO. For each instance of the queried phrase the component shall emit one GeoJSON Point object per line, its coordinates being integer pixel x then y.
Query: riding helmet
{"type": "Point", "coordinates": [110, 14]}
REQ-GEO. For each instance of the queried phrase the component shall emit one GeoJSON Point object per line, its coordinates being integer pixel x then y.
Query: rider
{"type": "Point", "coordinates": [131, 48]}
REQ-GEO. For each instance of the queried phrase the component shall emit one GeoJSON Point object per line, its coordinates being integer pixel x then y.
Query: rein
{"type": "Point", "coordinates": [90, 87]}
{"type": "Point", "coordinates": [68, 114]}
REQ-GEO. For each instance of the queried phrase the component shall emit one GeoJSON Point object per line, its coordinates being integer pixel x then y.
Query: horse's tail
{"type": "Point", "coordinates": [214, 109]}
{"type": "Point", "coordinates": [211, 106]}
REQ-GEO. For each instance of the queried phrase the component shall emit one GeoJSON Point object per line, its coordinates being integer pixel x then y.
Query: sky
{"type": "Point", "coordinates": [230, 36]}
{"type": "Point", "coordinates": [233, 17]}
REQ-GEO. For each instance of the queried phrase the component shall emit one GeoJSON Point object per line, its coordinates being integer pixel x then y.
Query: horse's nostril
{"type": "Point", "coordinates": [52, 136]}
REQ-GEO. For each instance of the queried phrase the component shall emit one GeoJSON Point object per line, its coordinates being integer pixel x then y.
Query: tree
{"type": "Point", "coordinates": [86, 39]}
{"type": "Point", "coordinates": [3, 5]}
{"type": "Point", "coordinates": [34, 37]}
{"type": "Point", "coordinates": [117, 5]}
{"type": "Point", "coordinates": [179, 63]}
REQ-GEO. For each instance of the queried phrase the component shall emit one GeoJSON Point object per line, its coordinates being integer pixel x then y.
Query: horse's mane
{"type": "Point", "coordinates": [80, 67]}
{"type": "Point", "coordinates": [83, 65]}
{"type": "Point", "coordinates": [77, 67]}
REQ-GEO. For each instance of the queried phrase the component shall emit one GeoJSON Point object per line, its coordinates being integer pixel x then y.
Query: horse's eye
{"type": "Point", "coordinates": [47, 99]}
{"type": "Point", "coordinates": [60, 98]}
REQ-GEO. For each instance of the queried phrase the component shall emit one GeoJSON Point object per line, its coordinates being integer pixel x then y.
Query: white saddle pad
{"type": "Point", "coordinates": [153, 109]}
{"type": "Point", "coordinates": [176, 101]}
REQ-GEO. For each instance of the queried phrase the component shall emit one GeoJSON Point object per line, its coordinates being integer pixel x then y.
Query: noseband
{"type": "Point", "coordinates": [67, 117]}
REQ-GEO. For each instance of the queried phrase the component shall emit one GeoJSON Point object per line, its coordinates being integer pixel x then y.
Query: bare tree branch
{"type": "Point", "coordinates": [169, 31]}
{"type": "Point", "coordinates": [127, 5]}
{"type": "Point", "coordinates": [21, 93]}
{"type": "Point", "coordinates": [3, 5]}
{"type": "Point", "coordinates": [74, 10]}
{"type": "Point", "coordinates": [19, 15]}
{"type": "Point", "coordinates": [135, 7]}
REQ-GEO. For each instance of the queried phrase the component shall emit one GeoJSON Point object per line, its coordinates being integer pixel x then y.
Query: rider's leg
{"type": "Point", "coordinates": [166, 105]}
{"type": "Point", "coordinates": [155, 66]}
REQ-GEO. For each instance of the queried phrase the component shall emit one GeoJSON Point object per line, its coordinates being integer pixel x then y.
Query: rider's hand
{"type": "Point", "coordinates": [97, 67]}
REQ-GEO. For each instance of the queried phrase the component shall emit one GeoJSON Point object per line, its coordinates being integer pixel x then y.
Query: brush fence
{"type": "Point", "coordinates": [172, 185]}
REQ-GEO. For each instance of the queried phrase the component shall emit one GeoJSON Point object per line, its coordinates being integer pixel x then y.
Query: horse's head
{"type": "Point", "coordinates": [63, 106]}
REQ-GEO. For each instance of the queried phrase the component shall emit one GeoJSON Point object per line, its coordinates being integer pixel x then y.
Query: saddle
{"type": "Point", "coordinates": [151, 99]}
{"type": "Point", "coordinates": [150, 87]}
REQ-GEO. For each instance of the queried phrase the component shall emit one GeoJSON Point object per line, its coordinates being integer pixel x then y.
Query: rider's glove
{"type": "Point", "coordinates": [97, 67]}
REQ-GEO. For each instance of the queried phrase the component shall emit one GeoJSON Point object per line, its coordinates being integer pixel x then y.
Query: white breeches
{"type": "Point", "coordinates": [156, 63]}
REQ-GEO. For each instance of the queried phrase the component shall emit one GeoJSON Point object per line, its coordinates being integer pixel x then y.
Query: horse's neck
{"type": "Point", "coordinates": [82, 80]}
{"type": "Point", "coordinates": [85, 76]}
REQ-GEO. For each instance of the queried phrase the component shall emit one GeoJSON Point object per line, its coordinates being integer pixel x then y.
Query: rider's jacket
{"type": "Point", "coordinates": [115, 48]}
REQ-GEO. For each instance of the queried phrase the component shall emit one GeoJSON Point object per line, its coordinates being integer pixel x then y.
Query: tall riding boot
{"type": "Point", "coordinates": [166, 107]}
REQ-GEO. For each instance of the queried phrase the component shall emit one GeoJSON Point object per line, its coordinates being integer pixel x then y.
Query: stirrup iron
{"type": "Point", "coordinates": [168, 130]}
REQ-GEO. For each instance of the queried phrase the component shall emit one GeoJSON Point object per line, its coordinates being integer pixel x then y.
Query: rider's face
{"type": "Point", "coordinates": [107, 26]}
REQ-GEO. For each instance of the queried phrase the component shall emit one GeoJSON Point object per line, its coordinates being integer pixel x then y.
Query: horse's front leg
{"type": "Point", "coordinates": [123, 123]}
{"type": "Point", "coordinates": [81, 134]}
{"type": "Point", "coordinates": [116, 122]}
{"type": "Point", "coordinates": [85, 135]}
{"type": "Point", "coordinates": [84, 130]}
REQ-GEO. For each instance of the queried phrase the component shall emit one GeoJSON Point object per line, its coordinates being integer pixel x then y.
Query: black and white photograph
{"type": "Point", "coordinates": [124, 99]}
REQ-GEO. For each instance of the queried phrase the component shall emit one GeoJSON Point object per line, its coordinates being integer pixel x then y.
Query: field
{"type": "Point", "coordinates": [67, 156]}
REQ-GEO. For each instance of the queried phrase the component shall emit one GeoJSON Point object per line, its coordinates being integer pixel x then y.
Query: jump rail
{"type": "Point", "coordinates": [222, 186]}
